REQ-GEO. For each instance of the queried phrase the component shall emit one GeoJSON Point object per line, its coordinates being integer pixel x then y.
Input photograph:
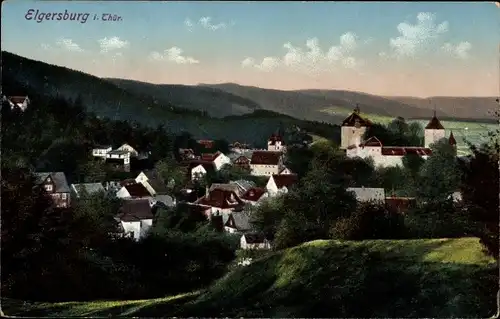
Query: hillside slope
{"type": "Point", "coordinates": [313, 104]}
{"type": "Point", "coordinates": [459, 107]}
{"type": "Point", "coordinates": [109, 100]}
{"type": "Point", "coordinates": [373, 278]}
{"type": "Point", "coordinates": [215, 102]}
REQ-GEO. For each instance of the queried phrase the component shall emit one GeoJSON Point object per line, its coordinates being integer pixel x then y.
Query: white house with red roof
{"type": "Point", "coordinates": [387, 156]}
{"type": "Point", "coordinates": [280, 184]}
{"type": "Point", "coordinates": [353, 128]}
{"type": "Point", "coordinates": [218, 159]}
{"type": "Point", "coordinates": [220, 201]}
{"type": "Point", "coordinates": [266, 163]}
{"type": "Point", "coordinates": [136, 218]}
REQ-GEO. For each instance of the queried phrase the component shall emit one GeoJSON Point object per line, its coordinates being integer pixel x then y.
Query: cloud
{"type": "Point", "coordinates": [68, 45]}
{"type": "Point", "coordinates": [113, 43]}
{"type": "Point", "coordinates": [174, 54]}
{"type": "Point", "coordinates": [461, 50]}
{"type": "Point", "coordinates": [414, 37]}
{"type": "Point", "coordinates": [46, 46]}
{"type": "Point", "coordinates": [189, 24]}
{"type": "Point", "coordinates": [206, 22]}
{"type": "Point", "coordinates": [312, 59]}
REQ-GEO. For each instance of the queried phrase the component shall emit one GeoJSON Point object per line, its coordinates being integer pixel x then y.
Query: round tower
{"type": "Point", "coordinates": [434, 131]}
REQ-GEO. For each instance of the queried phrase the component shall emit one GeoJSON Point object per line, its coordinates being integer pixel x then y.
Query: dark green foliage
{"type": "Point", "coordinates": [397, 133]}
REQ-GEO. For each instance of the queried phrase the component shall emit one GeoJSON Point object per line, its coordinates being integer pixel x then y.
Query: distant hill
{"type": "Point", "coordinates": [215, 102]}
{"type": "Point", "coordinates": [118, 102]}
{"type": "Point", "coordinates": [454, 107]}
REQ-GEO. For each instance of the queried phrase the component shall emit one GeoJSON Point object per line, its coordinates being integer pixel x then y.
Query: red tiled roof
{"type": "Point", "coordinates": [242, 160]}
{"type": "Point", "coordinates": [265, 158]}
{"type": "Point", "coordinates": [126, 182]}
{"type": "Point", "coordinates": [452, 140]}
{"type": "Point", "coordinates": [253, 194]}
{"type": "Point", "coordinates": [351, 120]}
{"type": "Point", "coordinates": [220, 198]}
{"type": "Point", "coordinates": [210, 157]}
{"type": "Point", "coordinates": [135, 210]}
{"type": "Point", "coordinates": [137, 190]}
{"type": "Point", "coordinates": [206, 143]}
{"type": "Point", "coordinates": [434, 124]}
{"type": "Point", "coordinates": [372, 141]}
{"type": "Point", "coordinates": [402, 150]}
{"type": "Point", "coordinates": [286, 180]}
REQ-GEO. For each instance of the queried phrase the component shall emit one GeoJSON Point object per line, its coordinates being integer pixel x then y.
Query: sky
{"type": "Point", "coordinates": [400, 49]}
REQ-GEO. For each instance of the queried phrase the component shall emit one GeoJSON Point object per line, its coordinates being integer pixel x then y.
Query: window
{"type": "Point", "coordinates": [64, 196]}
{"type": "Point", "coordinates": [48, 188]}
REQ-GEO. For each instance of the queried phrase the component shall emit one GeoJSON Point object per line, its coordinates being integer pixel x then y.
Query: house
{"type": "Point", "coordinates": [85, 189]}
{"type": "Point", "coordinates": [239, 148]}
{"type": "Point", "coordinates": [127, 148]}
{"type": "Point", "coordinates": [255, 195]}
{"type": "Point", "coordinates": [198, 169]}
{"type": "Point", "coordinates": [187, 154]}
{"type": "Point", "coordinates": [237, 222]}
{"type": "Point", "coordinates": [119, 158]}
{"type": "Point", "coordinates": [163, 200]}
{"type": "Point", "coordinates": [280, 184]}
{"type": "Point", "coordinates": [18, 102]}
{"type": "Point", "coordinates": [243, 185]}
{"type": "Point", "coordinates": [275, 143]}
{"type": "Point", "coordinates": [385, 156]}
{"type": "Point", "coordinates": [399, 205]}
{"type": "Point", "coordinates": [218, 159]}
{"type": "Point", "coordinates": [266, 163]}
{"type": "Point", "coordinates": [152, 181]}
{"type": "Point", "coordinates": [219, 201]}
{"type": "Point", "coordinates": [56, 185]}
{"type": "Point", "coordinates": [254, 241]}
{"type": "Point", "coordinates": [375, 195]}
{"type": "Point", "coordinates": [101, 150]}
{"type": "Point", "coordinates": [136, 217]}
{"type": "Point", "coordinates": [285, 171]}
{"type": "Point", "coordinates": [242, 162]}
{"type": "Point", "coordinates": [136, 190]}
{"type": "Point", "coordinates": [353, 128]}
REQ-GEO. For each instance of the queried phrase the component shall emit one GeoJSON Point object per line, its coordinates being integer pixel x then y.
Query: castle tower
{"type": "Point", "coordinates": [353, 128]}
{"type": "Point", "coordinates": [434, 131]}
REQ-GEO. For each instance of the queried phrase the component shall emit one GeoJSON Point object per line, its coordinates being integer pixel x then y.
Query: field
{"type": "Point", "coordinates": [390, 278]}
{"type": "Point", "coordinates": [473, 132]}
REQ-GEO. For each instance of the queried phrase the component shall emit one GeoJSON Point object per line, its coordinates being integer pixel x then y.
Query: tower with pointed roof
{"type": "Point", "coordinates": [434, 131]}
{"type": "Point", "coordinates": [452, 141]}
{"type": "Point", "coordinates": [353, 129]}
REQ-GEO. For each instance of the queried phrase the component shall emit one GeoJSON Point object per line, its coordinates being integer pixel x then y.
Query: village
{"type": "Point", "coordinates": [228, 206]}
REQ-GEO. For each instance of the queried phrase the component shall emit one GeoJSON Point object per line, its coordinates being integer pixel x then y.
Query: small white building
{"type": "Point", "coordinates": [266, 163]}
{"type": "Point", "coordinates": [18, 102]}
{"type": "Point", "coordinates": [198, 169]}
{"type": "Point", "coordinates": [367, 194]}
{"type": "Point", "coordinates": [136, 218]}
{"type": "Point", "coordinates": [136, 190]}
{"type": "Point", "coordinates": [127, 148]}
{"type": "Point", "coordinates": [434, 131]}
{"type": "Point", "coordinates": [280, 184]}
{"type": "Point", "coordinates": [285, 171]}
{"type": "Point", "coordinates": [275, 143]}
{"type": "Point", "coordinates": [152, 181]}
{"type": "Point", "coordinates": [101, 150]}
{"type": "Point", "coordinates": [254, 241]}
{"type": "Point", "coordinates": [218, 159]}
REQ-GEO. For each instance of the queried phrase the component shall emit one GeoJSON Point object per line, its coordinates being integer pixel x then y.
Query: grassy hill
{"type": "Point", "coordinates": [116, 102]}
{"type": "Point", "coordinates": [373, 278]}
{"type": "Point", "coordinates": [471, 108]}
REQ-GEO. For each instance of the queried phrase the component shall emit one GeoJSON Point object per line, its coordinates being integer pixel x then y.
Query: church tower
{"type": "Point", "coordinates": [434, 131]}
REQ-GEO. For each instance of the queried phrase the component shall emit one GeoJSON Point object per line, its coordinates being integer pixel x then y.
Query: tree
{"type": "Point", "coordinates": [267, 217]}
{"type": "Point", "coordinates": [172, 174]}
{"type": "Point", "coordinates": [413, 163]}
{"type": "Point", "coordinates": [440, 175]}
{"type": "Point", "coordinates": [298, 159]}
